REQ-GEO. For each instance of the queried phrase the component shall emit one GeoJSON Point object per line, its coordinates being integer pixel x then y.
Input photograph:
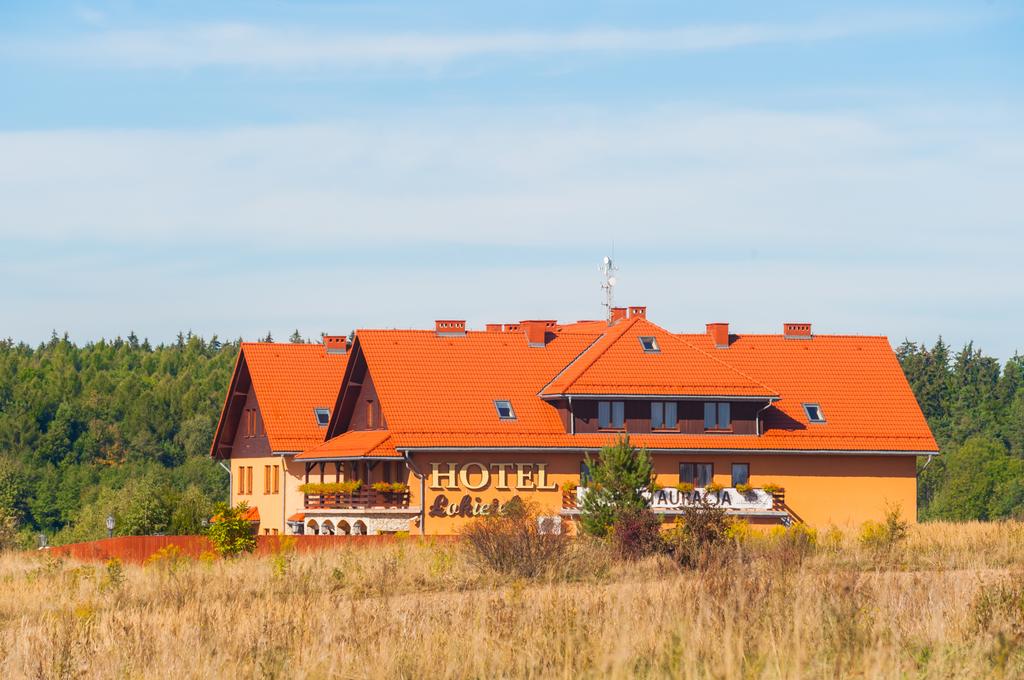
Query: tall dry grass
{"type": "Point", "coordinates": [948, 601]}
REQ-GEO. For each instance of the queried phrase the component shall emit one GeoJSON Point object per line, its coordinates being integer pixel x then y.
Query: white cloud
{"type": "Point", "coordinates": [880, 223]}
{"type": "Point", "coordinates": [241, 44]}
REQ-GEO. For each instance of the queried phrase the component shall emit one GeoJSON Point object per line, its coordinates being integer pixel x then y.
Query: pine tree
{"type": "Point", "coordinates": [618, 478]}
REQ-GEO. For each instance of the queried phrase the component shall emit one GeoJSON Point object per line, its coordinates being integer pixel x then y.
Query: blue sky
{"type": "Point", "coordinates": [239, 167]}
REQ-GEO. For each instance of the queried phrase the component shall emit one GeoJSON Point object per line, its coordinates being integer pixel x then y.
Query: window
{"type": "Point", "coordinates": [650, 344]}
{"type": "Point", "coordinates": [814, 413]}
{"type": "Point", "coordinates": [241, 481]}
{"type": "Point", "coordinates": [248, 480]}
{"type": "Point", "coordinates": [504, 408]}
{"type": "Point", "coordinates": [611, 415]}
{"type": "Point", "coordinates": [717, 415]}
{"type": "Point", "coordinates": [698, 474]}
{"type": "Point", "coordinates": [664, 415]}
{"type": "Point", "coordinates": [371, 421]}
{"type": "Point", "coordinates": [323, 416]}
{"type": "Point", "coordinates": [266, 480]}
{"type": "Point", "coordinates": [277, 479]}
{"type": "Point", "coordinates": [740, 474]}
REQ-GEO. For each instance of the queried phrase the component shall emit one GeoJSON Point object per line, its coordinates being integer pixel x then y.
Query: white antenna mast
{"type": "Point", "coordinates": [608, 270]}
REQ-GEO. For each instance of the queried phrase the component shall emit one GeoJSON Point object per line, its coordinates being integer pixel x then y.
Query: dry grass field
{"type": "Point", "coordinates": [948, 601]}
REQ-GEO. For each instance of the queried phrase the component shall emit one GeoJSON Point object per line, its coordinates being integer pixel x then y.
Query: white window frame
{"type": "Point", "coordinates": [511, 411]}
{"type": "Point", "coordinates": [807, 412]}
{"type": "Point", "coordinates": [654, 348]}
{"type": "Point", "coordinates": [326, 411]}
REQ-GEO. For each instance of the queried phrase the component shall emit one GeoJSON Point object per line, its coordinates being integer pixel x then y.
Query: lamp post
{"type": "Point", "coordinates": [110, 526]}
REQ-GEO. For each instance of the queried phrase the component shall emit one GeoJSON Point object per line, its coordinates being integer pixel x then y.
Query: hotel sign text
{"type": "Point", "coordinates": [478, 476]}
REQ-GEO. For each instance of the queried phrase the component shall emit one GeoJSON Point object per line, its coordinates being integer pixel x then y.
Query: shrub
{"type": "Point", "coordinates": [230, 533]}
{"type": "Point", "coordinates": [702, 529]}
{"type": "Point", "coordinates": [685, 487]}
{"type": "Point", "coordinates": [713, 487]}
{"type": "Point", "coordinates": [887, 534]}
{"type": "Point", "coordinates": [744, 488]}
{"type": "Point", "coordinates": [619, 476]}
{"type": "Point", "coordinates": [113, 577]}
{"type": "Point", "coordinates": [637, 534]}
{"type": "Point", "coordinates": [772, 488]}
{"type": "Point", "coordinates": [511, 542]}
{"type": "Point", "coordinates": [331, 487]}
{"type": "Point", "coordinates": [167, 559]}
{"type": "Point", "coordinates": [795, 542]}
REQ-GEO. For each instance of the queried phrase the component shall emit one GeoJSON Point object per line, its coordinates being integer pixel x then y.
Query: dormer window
{"type": "Point", "coordinates": [814, 413]}
{"type": "Point", "coordinates": [504, 408]}
{"type": "Point", "coordinates": [649, 343]}
{"type": "Point", "coordinates": [323, 416]}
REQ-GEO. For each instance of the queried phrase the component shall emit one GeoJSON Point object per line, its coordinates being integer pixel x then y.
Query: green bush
{"type": "Point", "coordinates": [698, 533]}
{"type": "Point", "coordinates": [887, 534]}
{"type": "Point", "coordinates": [230, 533]}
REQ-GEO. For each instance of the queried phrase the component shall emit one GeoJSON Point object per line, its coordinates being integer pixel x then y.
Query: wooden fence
{"type": "Point", "coordinates": [137, 549]}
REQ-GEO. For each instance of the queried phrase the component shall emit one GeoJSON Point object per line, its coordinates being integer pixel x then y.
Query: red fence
{"type": "Point", "coordinates": [138, 549]}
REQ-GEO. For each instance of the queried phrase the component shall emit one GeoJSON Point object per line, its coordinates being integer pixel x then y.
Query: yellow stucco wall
{"type": "Point", "coordinates": [821, 490]}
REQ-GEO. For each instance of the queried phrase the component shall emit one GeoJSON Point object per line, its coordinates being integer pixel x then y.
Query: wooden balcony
{"type": "Point", "coordinates": [363, 498]}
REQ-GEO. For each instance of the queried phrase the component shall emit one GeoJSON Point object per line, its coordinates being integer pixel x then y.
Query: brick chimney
{"type": "Point", "coordinates": [493, 327]}
{"type": "Point", "coordinates": [536, 331]}
{"type": "Point", "coordinates": [618, 314]}
{"type": "Point", "coordinates": [450, 327]}
{"type": "Point", "coordinates": [637, 311]}
{"type": "Point", "coordinates": [512, 327]}
{"type": "Point", "coordinates": [335, 344]}
{"type": "Point", "coordinates": [719, 333]}
{"type": "Point", "coordinates": [796, 331]}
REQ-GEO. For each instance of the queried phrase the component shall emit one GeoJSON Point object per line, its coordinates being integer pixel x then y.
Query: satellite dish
{"type": "Point", "coordinates": [611, 280]}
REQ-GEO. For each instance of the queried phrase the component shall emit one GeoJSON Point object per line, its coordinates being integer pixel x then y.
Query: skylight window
{"type": "Point", "coordinates": [649, 343]}
{"type": "Point", "coordinates": [504, 408]}
{"type": "Point", "coordinates": [323, 416]}
{"type": "Point", "coordinates": [814, 413]}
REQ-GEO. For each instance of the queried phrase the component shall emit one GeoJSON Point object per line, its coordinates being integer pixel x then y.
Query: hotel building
{"type": "Point", "coordinates": [420, 430]}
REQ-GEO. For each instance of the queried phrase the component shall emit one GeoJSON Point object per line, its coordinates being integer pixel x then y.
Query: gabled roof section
{"type": "Point", "coordinates": [290, 381]}
{"type": "Point", "coordinates": [618, 365]}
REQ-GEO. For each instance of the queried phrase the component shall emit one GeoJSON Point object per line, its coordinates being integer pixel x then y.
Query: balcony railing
{"type": "Point", "coordinates": [363, 498]}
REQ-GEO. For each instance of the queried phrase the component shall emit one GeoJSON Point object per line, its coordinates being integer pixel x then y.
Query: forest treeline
{"type": "Point", "coordinates": [123, 427]}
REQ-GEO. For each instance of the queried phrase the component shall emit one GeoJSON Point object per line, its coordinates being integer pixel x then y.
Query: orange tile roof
{"type": "Point", "coordinates": [438, 392]}
{"type": "Point", "coordinates": [353, 444]}
{"type": "Point", "coordinates": [290, 381]}
{"type": "Point", "coordinates": [449, 384]}
{"type": "Point", "coordinates": [863, 392]}
{"type": "Point", "coordinates": [617, 364]}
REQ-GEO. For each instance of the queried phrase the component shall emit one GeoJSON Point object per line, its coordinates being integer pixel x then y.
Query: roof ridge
{"type": "Point", "coordinates": [620, 329]}
{"type": "Point", "coordinates": [723, 363]}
